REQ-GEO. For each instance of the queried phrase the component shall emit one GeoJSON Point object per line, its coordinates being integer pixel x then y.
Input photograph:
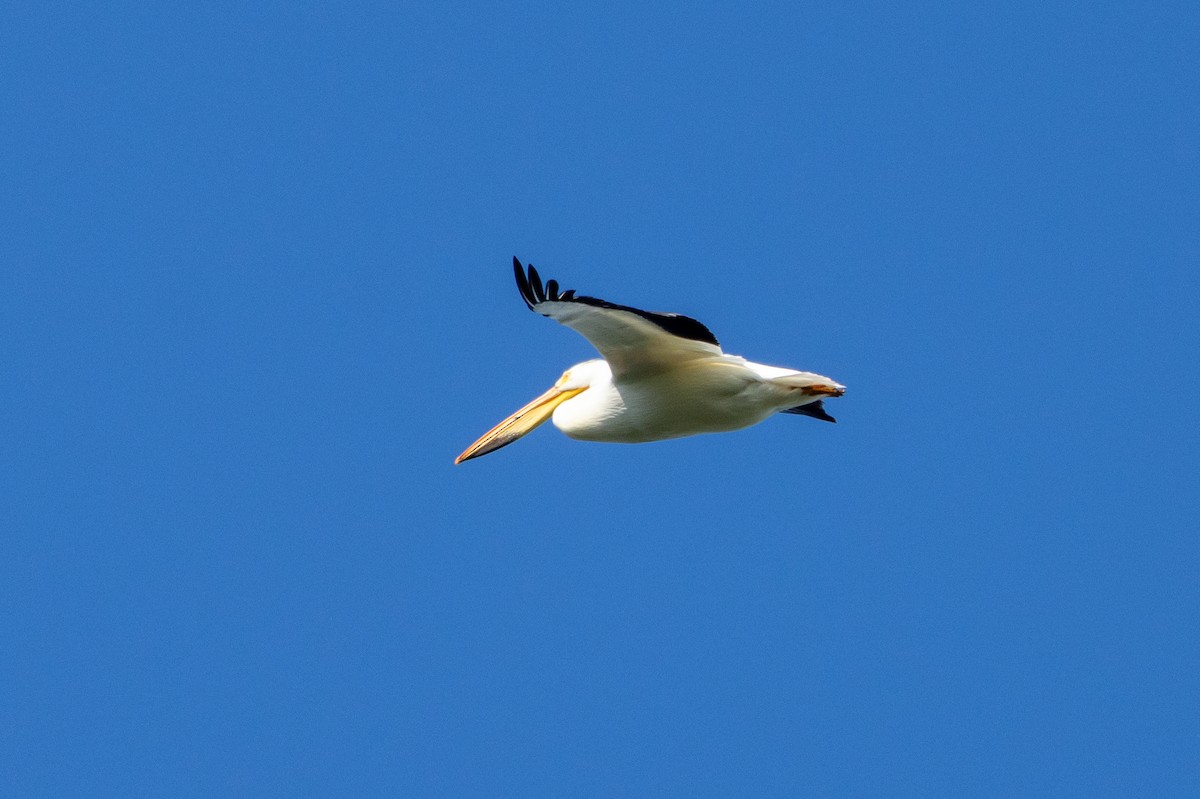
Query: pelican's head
{"type": "Point", "coordinates": [573, 381]}
{"type": "Point", "coordinates": [584, 375]}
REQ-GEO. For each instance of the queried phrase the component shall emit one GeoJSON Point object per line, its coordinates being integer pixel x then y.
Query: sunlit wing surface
{"type": "Point", "coordinates": [630, 339]}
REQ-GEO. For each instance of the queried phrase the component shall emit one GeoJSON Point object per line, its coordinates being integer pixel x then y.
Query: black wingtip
{"type": "Point", "coordinates": [529, 283]}
{"type": "Point", "coordinates": [535, 282]}
{"type": "Point", "coordinates": [523, 284]}
{"type": "Point", "coordinates": [814, 409]}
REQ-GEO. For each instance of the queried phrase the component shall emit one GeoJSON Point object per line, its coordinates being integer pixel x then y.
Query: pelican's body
{"type": "Point", "coordinates": [707, 396]}
{"type": "Point", "coordinates": [662, 376]}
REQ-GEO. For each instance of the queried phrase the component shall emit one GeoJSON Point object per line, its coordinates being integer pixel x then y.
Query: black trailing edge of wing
{"type": "Point", "coordinates": [814, 409]}
{"type": "Point", "coordinates": [534, 292]}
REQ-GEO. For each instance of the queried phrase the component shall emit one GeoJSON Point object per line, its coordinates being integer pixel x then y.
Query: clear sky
{"type": "Point", "coordinates": [255, 295]}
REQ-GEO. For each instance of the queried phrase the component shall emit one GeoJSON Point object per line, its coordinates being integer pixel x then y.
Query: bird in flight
{"type": "Point", "coordinates": [662, 375]}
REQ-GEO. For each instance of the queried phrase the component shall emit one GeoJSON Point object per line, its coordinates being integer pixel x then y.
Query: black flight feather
{"type": "Point", "coordinates": [814, 409]}
{"type": "Point", "coordinates": [523, 284]}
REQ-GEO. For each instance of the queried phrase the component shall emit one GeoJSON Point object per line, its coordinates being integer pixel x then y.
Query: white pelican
{"type": "Point", "coordinates": [662, 376]}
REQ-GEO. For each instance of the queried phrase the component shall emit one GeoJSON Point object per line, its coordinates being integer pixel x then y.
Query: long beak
{"type": "Point", "coordinates": [520, 423]}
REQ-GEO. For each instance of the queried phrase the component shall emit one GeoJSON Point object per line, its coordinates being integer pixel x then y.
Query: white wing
{"type": "Point", "coordinates": [630, 339]}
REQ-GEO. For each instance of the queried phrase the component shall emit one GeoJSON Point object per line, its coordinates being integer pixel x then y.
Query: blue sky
{"type": "Point", "coordinates": [256, 296]}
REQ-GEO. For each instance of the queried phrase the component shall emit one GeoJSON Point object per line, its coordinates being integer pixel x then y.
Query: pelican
{"type": "Point", "coordinates": [662, 375]}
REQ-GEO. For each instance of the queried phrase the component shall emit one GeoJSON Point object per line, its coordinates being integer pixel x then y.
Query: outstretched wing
{"type": "Point", "coordinates": [630, 339]}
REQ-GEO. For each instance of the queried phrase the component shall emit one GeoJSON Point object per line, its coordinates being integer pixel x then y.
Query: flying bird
{"type": "Point", "coordinates": [662, 375]}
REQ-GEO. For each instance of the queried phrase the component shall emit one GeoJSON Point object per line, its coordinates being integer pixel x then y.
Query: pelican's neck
{"type": "Point", "coordinates": [585, 415]}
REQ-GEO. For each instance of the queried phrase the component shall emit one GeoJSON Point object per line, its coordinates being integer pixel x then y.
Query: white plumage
{"type": "Point", "coordinates": [661, 376]}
